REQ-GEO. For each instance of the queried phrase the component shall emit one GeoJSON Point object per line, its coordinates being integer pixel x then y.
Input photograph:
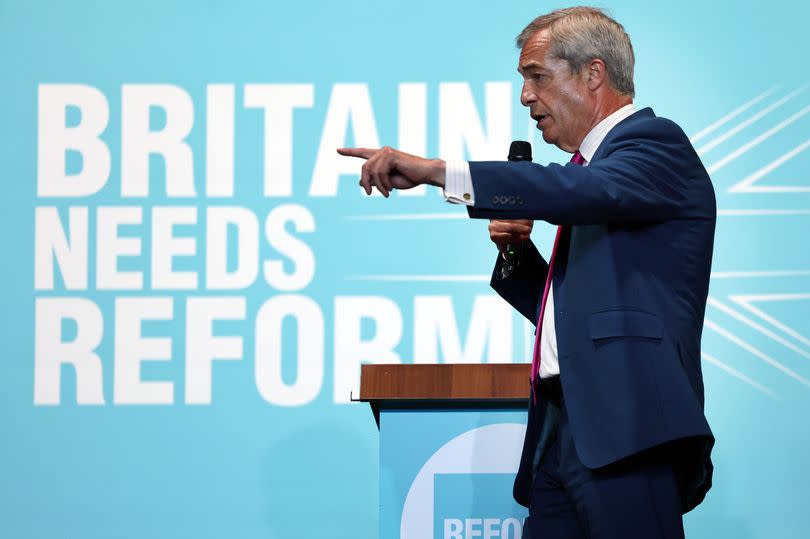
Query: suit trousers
{"type": "Point", "coordinates": [636, 497]}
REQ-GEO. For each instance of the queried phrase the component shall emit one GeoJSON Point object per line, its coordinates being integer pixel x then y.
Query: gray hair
{"type": "Point", "coordinates": [581, 34]}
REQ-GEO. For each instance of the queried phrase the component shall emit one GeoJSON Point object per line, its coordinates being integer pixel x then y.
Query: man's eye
{"type": "Point", "coordinates": [535, 78]}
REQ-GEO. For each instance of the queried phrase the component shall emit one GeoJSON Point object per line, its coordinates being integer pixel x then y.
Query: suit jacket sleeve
{"type": "Point", "coordinates": [650, 174]}
{"type": "Point", "coordinates": [523, 288]}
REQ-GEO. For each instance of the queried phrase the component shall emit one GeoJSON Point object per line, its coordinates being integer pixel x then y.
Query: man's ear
{"type": "Point", "coordinates": [597, 75]}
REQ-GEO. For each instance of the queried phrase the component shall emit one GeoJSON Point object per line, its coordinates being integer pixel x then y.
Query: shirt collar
{"type": "Point", "coordinates": [596, 135]}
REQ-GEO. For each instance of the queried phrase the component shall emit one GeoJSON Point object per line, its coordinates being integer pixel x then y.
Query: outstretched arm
{"type": "Point", "coordinates": [647, 176]}
{"type": "Point", "coordinates": [388, 169]}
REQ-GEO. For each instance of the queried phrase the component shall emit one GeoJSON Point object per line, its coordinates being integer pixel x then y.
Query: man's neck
{"type": "Point", "coordinates": [607, 106]}
{"type": "Point", "coordinates": [593, 139]}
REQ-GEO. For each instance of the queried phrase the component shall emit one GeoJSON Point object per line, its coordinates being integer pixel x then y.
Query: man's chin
{"type": "Point", "coordinates": [548, 138]}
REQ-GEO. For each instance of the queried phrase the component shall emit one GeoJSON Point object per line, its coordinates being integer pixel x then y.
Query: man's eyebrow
{"type": "Point", "coordinates": [530, 65]}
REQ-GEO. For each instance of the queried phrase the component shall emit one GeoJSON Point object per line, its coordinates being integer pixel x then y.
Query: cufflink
{"type": "Point", "coordinates": [466, 196]}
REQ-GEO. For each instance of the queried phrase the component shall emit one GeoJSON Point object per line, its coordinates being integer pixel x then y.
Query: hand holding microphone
{"type": "Point", "coordinates": [509, 235]}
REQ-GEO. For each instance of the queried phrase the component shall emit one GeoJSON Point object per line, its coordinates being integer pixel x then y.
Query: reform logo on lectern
{"type": "Point", "coordinates": [465, 488]}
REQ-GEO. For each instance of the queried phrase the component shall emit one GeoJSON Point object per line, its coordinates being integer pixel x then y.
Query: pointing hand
{"type": "Point", "coordinates": [388, 169]}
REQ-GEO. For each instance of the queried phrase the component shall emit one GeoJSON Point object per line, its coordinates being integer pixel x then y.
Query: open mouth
{"type": "Point", "coordinates": [540, 119]}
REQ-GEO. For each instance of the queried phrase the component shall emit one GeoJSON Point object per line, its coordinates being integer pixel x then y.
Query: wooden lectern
{"type": "Point", "coordinates": [499, 385]}
{"type": "Point", "coordinates": [450, 442]}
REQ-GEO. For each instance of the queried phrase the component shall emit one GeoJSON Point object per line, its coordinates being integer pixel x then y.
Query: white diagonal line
{"type": "Point", "coordinates": [745, 301]}
{"type": "Point", "coordinates": [486, 278]}
{"type": "Point", "coordinates": [462, 215]}
{"type": "Point", "coordinates": [731, 115]}
{"type": "Point", "coordinates": [759, 212]}
{"type": "Point", "coordinates": [749, 274]}
{"type": "Point", "coordinates": [760, 328]}
{"type": "Point", "coordinates": [756, 141]}
{"type": "Point", "coordinates": [745, 185]}
{"type": "Point", "coordinates": [742, 125]}
{"type": "Point", "coordinates": [407, 216]}
{"type": "Point", "coordinates": [737, 374]}
{"type": "Point", "coordinates": [773, 189]}
{"type": "Point", "coordinates": [528, 338]}
{"type": "Point", "coordinates": [425, 278]}
{"type": "Point", "coordinates": [764, 357]}
{"type": "Point", "coordinates": [775, 297]}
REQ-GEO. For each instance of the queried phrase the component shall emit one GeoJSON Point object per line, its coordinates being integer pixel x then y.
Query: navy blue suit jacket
{"type": "Point", "coordinates": [630, 284]}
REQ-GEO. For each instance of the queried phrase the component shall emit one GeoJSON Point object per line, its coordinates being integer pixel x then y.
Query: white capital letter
{"type": "Point", "coordinates": [299, 252]}
{"type": "Point", "coordinates": [54, 138]}
{"type": "Point", "coordinates": [453, 528]}
{"type": "Point", "coordinates": [436, 333]}
{"type": "Point", "coordinates": [202, 347]}
{"type": "Point", "coordinates": [278, 102]}
{"type": "Point", "coordinates": [471, 527]}
{"type": "Point", "coordinates": [165, 246]}
{"type": "Point", "coordinates": [308, 352]}
{"type": "Point", "coordinates": [51, 242]}
{"type": "Point", "coordinates": [219, 140]}
{"type": "Point", "coordinates": [50, 351]}
{"type": "Point", "coordinates": [348, 102]}
{"type": "Point", "coordinates": [459, 124]}
{"type": "Point", "coordinates": [491, 528]}
{"type": "Point", "coordinates": [351, 350]}
{"type": "Point", "coordinates": [514, 526]}
{"type": "Point", "coordinates": [110, 246]}
{"type": "Point", "coordinates": [218, 220]}
{"type": "Point", "coordinates": [131, 349]}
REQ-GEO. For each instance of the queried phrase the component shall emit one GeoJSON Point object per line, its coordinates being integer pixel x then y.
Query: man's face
{"type": "Point", "coordinates": [559, 100]}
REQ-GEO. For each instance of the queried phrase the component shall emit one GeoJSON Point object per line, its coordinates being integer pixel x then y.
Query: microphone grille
{"type": "Point", "coordinates": [520, 150]}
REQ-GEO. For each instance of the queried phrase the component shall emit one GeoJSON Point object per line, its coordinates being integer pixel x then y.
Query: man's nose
{"type": "Point", "coordinates": [527, 97]}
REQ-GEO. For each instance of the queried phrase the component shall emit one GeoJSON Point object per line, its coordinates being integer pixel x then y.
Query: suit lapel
{"type": "Point", "coordinates": [627, 123]}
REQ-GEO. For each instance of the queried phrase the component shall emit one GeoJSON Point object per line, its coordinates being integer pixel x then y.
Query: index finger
{"type": "Point", "coordinates": [363, 153]}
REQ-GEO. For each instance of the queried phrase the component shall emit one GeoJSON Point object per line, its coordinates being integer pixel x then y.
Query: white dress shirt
{"type": "Point", "coordinates": [458, 189]}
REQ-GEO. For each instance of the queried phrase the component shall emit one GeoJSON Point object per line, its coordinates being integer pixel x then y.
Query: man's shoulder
{"type": "Point", "coordinates": [644, 129]}
{"type": "Point", "coordinates": [645, 122]}
{"type": "Point", "coordinates": [657, 140]}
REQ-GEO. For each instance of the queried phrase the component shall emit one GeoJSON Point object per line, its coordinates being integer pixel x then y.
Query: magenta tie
{"type": "Point", "coordinates": [577, 159]}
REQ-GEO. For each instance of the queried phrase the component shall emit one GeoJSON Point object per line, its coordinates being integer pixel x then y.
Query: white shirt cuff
{"type": "Point", "coordinates": [458, 188]}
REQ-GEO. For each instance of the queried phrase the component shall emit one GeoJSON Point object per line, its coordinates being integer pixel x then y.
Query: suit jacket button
{"type": "Point", "coordinates": [495, 199]}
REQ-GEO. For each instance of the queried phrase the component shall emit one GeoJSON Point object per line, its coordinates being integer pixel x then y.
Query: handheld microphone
{"type": "Point", "coordinates": [519, 150]}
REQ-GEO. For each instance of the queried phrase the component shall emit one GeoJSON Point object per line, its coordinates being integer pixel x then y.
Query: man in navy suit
{"type": "Point", "coordinates": [617, 444]}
